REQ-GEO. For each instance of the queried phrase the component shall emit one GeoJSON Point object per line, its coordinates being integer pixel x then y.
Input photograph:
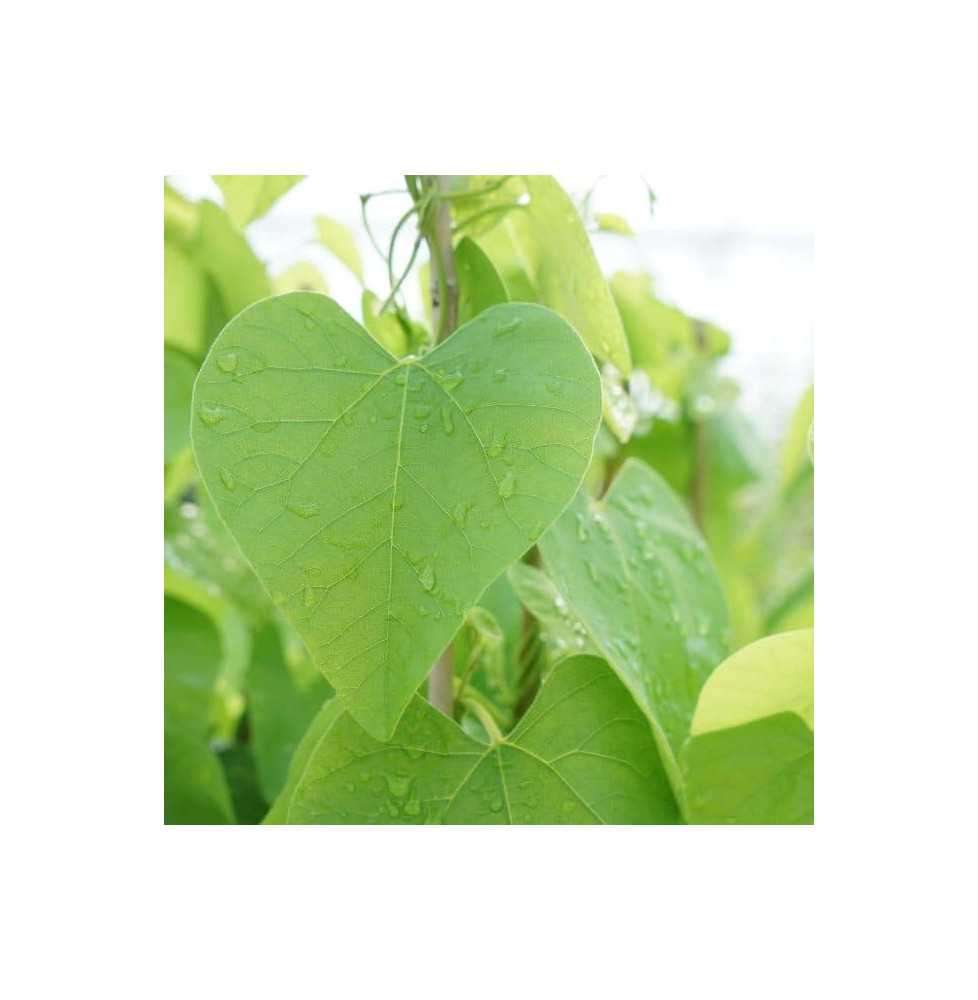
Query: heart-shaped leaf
{"type": "Point", "coordinates": [377, 498]}
{"type": "Point", "coordinates": [584, 753]}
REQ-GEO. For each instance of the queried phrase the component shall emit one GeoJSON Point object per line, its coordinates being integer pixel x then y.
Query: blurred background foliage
{"type": "Point", "coordinates": [240, 690]}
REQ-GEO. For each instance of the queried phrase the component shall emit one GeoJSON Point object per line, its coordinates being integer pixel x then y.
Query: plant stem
{"type": "Point", "coordinates": [444, 310]}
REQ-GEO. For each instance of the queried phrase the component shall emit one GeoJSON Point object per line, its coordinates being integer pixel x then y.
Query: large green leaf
{"type": "Point", "coordinates": [549, 239]}
{"type": "Point", "coordinates": [194, 788]}
{"type": "Point", "coordinates": [635, 572]}
{"type": "Point", "coordinates": [377, 498]}
{"type": "Point", "coordinates": [751, 754]}
{"type": "Point", "coordinates": [249, 196]}
{"type": "Point", "coordinates": [584, 753]}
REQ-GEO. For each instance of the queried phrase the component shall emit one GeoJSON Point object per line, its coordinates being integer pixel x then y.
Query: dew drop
{"type": "Point", "coordinates": [227, 478]}
{"type": "Point", "coordinates": [428, 578]}
{"type": "Point", "coordinates": [400, 377]}
{"type": "Point", "coordinates": [308, 597]}
{"type": "Point", "coordinates": [421, 411]}
{"type": "Point", "coordinates": [340, 361]}
{"type": "Point", "coordinates": [227, 361]}
{"type": "Point", "coordinates": [210, 414]}
{"type": "Point", "coordinates": [508, 327]}
{"type": "Point", "coordinates": [392, 810]}
{"type": "Point", "coordinates": [554, 386]}
{"type": "Point", "coordinates": [373, 418]}
{"type": "Point", "coordinates": [412, 808]}
{"type": "Point", "coordinates": [310, 323]}
{"type": "Point", "coordinates": [398, 786]}
{"type": "Point", "coordinates": [507, 485]}
{"type": "Point", "coordinates": [422, 611]}
{"type": "Point", "coordinates": [461, 512]}
{"type": "Point", "coordinates": [499, 375]}
{"type": "Point", "coordinates": [496, 804]}
{"type": "Point", "coordinates": [447, 421]}
{"type": "Point", "coordinates": [453, 381]}
{"type": "Point", "coordinates": [303, 508]}
{"type": "Point", "coordinates": [423, 428]}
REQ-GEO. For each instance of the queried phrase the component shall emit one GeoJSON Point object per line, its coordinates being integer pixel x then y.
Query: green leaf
{"type": "Point", "coordinates": [249, 196]}
{"type": "Point", "coordinates": [339, 241]}
{"type": "Point", "coordinates": [797, 456]}
{"type": "Point", "coordinates": [235, 640]}
{"type": "Point", "coordinates": [196, 544]}
{"type": "Point", "coordinates": [238, 761]}
{"type": "Point", "coordinates": [762, 772]}
{"type": "Point", "coordinates": [479, 284]}
{"type": "Point", "coordinates": [583, 753]}
{"type": "Point", "coordinates": [179, 373]}
{"type": "Point", "coordinates": [665, 343]}
{"type": "Point", "coordinates": [635, 571]}
{"type": "Point", "coordinates": [384, 325]}
{"type": "Point", "coordinates": [751, 754]}
{"type": "Point", "coordinates": [186, 301]}
{"type": "Point", "coordinates": [194, 789]}
{"type": "Point", "coordinates": [377, 499]}
{"type": "Point", "coordinates": [238, 275]}
{"type": "Point", "coordinates": [300, 277]}
{"type": "Point", "coordinates": [552, 243]}
{"type": "Point", "coordinates": [280, 709]}
{"type": "Point", "coordinates": [610, 223]}
{"type": "Point", "coordinates": [318, 728]}
{"type": "Point", "coordinates": [564, 634]}
{"type": "Point", "coordinates": [775, 674]}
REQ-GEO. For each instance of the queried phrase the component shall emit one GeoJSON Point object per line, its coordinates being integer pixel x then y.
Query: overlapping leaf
{"type": "Point", "coordinates": [547, 239]}
{"type": "Point", "coordinates": [584, 753]}
{"type": "Point", "coordinates": [194, 787]}
{"type": "Point", "coordinates": [751, 754]}
{"type": "Point", "coordinates": [249, 196]}
{"type": "Point", "coordinates": [281, 706]}
{"type": "Point", "coordinates": [635, 572]}
{"type": "Point", "coordinates": [377, 498]}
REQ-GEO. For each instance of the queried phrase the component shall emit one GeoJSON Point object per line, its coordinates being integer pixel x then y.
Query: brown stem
{"type": "Point", "coordinates": [444, 310]}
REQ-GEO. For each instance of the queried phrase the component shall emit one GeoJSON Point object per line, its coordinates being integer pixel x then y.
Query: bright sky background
{"type": "Point", "coordinates": [727, 242]}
